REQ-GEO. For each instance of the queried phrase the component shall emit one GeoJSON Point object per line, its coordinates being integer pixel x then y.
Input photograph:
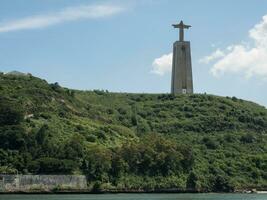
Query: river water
{"type": "Point", "coordinates": [138, 197]}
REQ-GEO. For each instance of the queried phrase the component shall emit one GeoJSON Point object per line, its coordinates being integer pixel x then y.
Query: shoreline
{"type": "Point", "coordinates": [78, 184]}
{"type": "Point", "coordinates": [74, 192]}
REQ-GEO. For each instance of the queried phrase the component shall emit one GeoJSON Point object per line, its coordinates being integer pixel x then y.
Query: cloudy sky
{"type": "Point", "coordinates": [126, 45]}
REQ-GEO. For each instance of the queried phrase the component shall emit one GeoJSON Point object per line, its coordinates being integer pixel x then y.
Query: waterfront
{"type": "Point", "coordinates": [138, 197]}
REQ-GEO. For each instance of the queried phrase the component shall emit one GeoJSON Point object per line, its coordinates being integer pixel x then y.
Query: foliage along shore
{"type": "Point", "coordinates": [131, 191]}
{"type": "Point", "coordinates": [132, 141]}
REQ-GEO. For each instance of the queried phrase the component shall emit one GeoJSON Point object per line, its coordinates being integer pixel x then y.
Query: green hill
{"type": "Point", "coordinates": [132, 141]}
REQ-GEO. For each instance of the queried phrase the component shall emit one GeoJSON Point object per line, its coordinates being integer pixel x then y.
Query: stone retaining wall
{"type": "Point", "coordinates": [41, 183]}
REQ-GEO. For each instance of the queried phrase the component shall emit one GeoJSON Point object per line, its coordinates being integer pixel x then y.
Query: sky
{"type": "Point", "coordinates": [126, 45]}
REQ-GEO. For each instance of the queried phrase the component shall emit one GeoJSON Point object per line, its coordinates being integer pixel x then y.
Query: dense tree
{"type": "Point", "coordinates": [54, 166]}
{"type": "Point", "coordinates": [10, 113]}
{"type": "Point", "coordinates": [97, 163]}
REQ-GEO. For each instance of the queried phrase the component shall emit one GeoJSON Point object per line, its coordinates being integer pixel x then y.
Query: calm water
{"type": "Point", "coordinates": [138, 197]}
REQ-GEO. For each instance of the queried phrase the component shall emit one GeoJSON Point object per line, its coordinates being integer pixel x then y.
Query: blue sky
{"type": "Point", "coordinates": [112, 45]}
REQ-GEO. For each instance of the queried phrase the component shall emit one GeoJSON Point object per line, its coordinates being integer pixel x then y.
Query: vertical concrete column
{"type": "Point", "coordinates": [182, 78]}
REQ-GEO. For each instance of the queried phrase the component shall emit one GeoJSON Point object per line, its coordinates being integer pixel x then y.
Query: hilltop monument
{"type": "Point", "coordinates": [182, 79]}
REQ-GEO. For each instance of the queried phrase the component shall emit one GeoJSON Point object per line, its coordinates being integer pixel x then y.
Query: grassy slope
{"type": "Point", "coordinates": [228, 136]}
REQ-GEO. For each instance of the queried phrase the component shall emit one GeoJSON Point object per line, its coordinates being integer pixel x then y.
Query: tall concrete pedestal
{"type": "Point", "coordinates": [182, 80]}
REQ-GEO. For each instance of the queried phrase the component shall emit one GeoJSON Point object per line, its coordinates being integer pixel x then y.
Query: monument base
{"type": "Point", "coordinates": [182, 81]}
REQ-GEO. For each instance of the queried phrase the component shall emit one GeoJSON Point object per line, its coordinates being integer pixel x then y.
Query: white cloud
{"type": "Point", "coordinates": [215, 55]}
{"type": "Point", "coordinates": [67, 14]}
{"type": "Point", "coordinates": [162, 65]}
{"type": "Point", "coordinates": [248, 60]}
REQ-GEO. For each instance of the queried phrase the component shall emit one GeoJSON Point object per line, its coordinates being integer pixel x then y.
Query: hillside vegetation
{"type": "Point", "coordinates": [132, 141]}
